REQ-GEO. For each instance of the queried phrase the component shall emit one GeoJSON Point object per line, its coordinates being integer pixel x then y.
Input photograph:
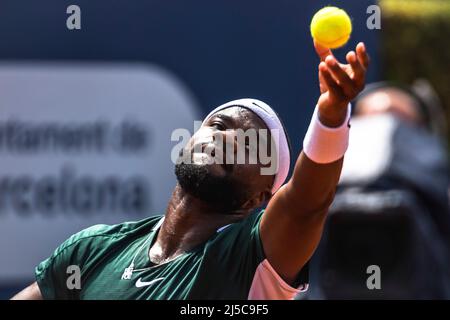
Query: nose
{"type": "Point", "coordinates": [224, 143]}
{"type": "Point", "coordinates": [230, 141]}
{"type": "Point", "coordinates": [202, 137]}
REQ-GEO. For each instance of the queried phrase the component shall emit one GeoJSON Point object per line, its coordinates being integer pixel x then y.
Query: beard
{"type": "Point", "coordinates": [221, 192]}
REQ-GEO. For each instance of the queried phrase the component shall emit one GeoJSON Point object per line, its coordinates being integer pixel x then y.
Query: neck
{"type": "Point", "coordinates": [188, 223]}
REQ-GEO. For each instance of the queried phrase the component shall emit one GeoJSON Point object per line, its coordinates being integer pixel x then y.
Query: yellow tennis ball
{"type": "Point", "coordinates": [331, 27]}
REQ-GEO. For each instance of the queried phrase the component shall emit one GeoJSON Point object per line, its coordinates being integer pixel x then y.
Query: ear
{"type": "Point", "coordinates": [258, 200]}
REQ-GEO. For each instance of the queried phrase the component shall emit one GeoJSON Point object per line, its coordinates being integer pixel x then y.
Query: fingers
{"type": "Point", "coordinates": [322, 84]}
{"type": "Point", "coordinates": [362, 55]}
{"type": "Point", "coordinates": [322, 51]}
{"type": "Point", "coordinates": [343, 81]}
{"type": "Point", "coordinates": [331, 84]}
{"type": "Point", "coordinates": [357, 68]}
{"type": "Point", "coordinates": [342, 78]}
{"type": "Point", "coordinates": [359, 72]}
{"type": "Point", "coordinates": [359, 62]}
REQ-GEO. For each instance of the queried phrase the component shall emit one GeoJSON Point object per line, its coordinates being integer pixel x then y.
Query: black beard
{"type": "Point", "coordinates": [222, 193]}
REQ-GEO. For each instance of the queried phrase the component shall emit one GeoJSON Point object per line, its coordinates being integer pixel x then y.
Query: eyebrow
{"type": "Point", "coordinates": [231, 121]}
{"type": "Point", "coordinates": [224, 118]}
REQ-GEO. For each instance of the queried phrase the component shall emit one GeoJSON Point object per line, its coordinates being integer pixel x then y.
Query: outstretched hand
{"type": "Point", "coordinates": [339, 83]}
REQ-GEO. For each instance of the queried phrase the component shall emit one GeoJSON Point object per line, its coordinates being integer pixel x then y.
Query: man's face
{"type": "Point", "coordinates": [221, 164]}
{"type": "Point", "coordinates": [390, 100]}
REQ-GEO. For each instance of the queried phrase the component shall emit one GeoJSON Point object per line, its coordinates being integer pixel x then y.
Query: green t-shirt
{"type": "Point", "coordinates": [224, 267]}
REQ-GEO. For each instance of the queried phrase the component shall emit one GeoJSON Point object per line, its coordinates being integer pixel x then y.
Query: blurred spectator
{"type": "Point", "coordinates": [397, 141]}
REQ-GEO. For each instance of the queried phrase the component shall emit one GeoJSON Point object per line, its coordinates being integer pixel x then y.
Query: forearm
{"type": "Point", "coordinates": [318, 167]}
{"type": "Point", "coordinates": [313, 186]}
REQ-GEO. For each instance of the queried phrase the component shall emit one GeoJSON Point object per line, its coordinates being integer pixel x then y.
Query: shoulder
{"type": "Point", "coordinates": [85, 249]}
{"type": "Point", "coordinates": [104, 231]}
{"type": "Point", "coordinates": [93, 242]}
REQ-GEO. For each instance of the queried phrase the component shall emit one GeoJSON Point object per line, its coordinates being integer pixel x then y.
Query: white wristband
{"type": "Point", "coordinates": [323, 144]}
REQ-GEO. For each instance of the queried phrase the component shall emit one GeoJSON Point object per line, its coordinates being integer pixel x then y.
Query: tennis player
{"type": "Point", "coordinates": [212, 243]}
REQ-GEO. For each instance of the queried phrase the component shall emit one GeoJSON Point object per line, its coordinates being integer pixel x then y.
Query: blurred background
{"type": "Point", "coordinates": [87, 115]}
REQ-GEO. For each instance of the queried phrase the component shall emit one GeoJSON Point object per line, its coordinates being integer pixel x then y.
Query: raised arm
{"type": "Point", "coordinates": [292, 224]}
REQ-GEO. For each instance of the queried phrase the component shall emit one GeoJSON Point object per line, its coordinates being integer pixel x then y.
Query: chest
{"type": "Point", "coordinates": [174, 280]}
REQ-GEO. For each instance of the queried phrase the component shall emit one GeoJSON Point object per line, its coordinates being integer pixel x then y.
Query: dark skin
{"type": "Point", "coordinates": [295, 215]}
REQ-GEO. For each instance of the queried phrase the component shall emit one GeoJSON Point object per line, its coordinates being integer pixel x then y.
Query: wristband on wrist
{"type": "Point", "coordinates": [323, 144]}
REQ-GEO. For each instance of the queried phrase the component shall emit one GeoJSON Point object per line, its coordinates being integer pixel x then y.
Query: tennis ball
{"type": "Point", "coordinates": [331, 27]}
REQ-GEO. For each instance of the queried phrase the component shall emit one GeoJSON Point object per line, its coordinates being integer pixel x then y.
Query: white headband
{"type": "Point", "coordinates": [270, 118]}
